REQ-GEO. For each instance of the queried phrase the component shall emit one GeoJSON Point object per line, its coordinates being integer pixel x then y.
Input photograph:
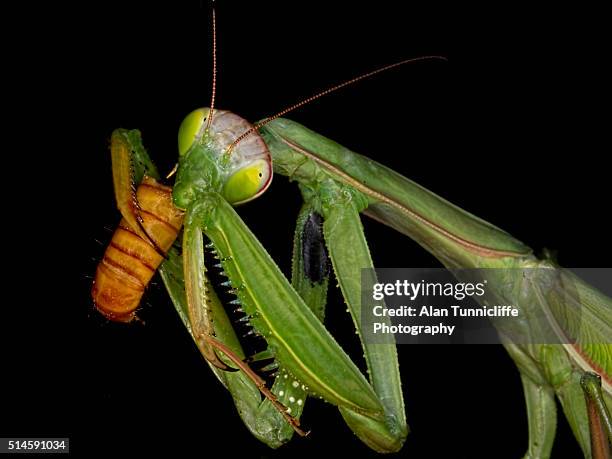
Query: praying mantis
{"type": "Point", "coordinates": [337, 185]}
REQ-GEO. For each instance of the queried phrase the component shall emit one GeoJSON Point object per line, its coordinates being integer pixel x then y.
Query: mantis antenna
{"type": "Point", "coordinates": [214, 69]}
{"type": "Point", "coordinates": [303, 102]}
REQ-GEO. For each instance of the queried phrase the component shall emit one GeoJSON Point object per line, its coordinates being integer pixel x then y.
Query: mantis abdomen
{"type": "Point", "coordinates": [130, 261]}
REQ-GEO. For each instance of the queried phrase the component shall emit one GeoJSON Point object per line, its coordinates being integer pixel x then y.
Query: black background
{"type": "Point", "coordinates": [509, 129]}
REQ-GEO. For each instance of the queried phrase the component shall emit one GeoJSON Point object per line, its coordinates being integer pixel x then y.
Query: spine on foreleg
{"type": "Point", "coordinates": [129, 261]}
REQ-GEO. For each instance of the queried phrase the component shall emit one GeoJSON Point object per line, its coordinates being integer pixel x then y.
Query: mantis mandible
{"type": "Point", "coordinates": [333, 182]}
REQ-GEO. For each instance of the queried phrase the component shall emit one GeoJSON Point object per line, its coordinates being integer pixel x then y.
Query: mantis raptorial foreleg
{"type": "Point", "coordinates": [277, 312]}
{"type": "Point", "coordinates": [130, 164]}
{"type": "Point", "coordinates": [196, 289]}
{"type": "Point", "coordinates": [261, 418]}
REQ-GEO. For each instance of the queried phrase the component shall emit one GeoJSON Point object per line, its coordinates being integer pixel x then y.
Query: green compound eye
{"type": "Point", "coordinates": [191, 129]}
{"type": "Point", "coordinates": [248, 182]}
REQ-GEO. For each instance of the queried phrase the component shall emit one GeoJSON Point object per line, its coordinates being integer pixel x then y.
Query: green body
{"type": "Point", "coordinates": [338, 185]}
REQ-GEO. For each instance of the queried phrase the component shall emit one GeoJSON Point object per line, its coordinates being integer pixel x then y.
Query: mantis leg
{"type": "Point", "coordinates": [542, 417]}
{"type": "Point", "coordinates": [130, 164]}
{"type": "Point", "coordinates": [350, 254]}
{"type": "Point", "coordinates": [540, 401]}
{"type": "Point", "coordinates": [600, 422]}
{"type": "Point", "coordinates": [197, 292]}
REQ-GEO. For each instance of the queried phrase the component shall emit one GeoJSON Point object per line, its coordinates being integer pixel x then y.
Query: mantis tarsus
{"type": "Point", "coordinates": [290, 142]}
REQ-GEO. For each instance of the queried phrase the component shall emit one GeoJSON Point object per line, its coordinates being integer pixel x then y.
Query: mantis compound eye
{"type": "Point", "coordinates": [192, 129]}
{"type": "Point", "coordinates": [248, 182]}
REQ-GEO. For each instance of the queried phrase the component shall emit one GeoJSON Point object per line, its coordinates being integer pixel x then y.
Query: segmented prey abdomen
{"type": "Point", "coordinates": [130, 261]}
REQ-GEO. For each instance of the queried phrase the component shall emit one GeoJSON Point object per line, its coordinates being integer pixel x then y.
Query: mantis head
{"type": "Point", "coordinates": [210, 159]}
